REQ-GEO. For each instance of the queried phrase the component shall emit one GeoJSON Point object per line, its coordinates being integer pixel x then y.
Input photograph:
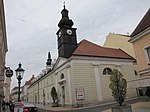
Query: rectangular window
{"type": "Point", "coordinates": [148, 54]}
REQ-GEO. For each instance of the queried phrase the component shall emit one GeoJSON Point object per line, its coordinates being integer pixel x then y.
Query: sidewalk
{"type": "Point", "coordinates": [54, 108]}
{"type": "Point", "coordinates": [136, 107]}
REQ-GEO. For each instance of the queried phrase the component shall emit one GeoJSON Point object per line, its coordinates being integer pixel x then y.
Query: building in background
{"type": "Point", "coordinates": [14, 94]}
{"type": "Point", "coordinates": [3, 50]}
{"type": "Point", "coordinates": [119, 41]}
{"type": "Point", "coordinates": [81, 74]}
{"type": "Point", "coordinates": [24, 92]}
{"type": "Point", "coordinates": [48, 68]}
{"type": "Point", "coordinates": [140, 38]}
{"type": "Point", "coordinates": [24, 88]}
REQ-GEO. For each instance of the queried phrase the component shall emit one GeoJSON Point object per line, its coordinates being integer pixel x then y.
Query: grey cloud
{"type": "Point", "coordinates": [32, 26]}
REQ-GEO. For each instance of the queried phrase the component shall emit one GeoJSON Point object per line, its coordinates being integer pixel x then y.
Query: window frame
{"type": "Point", "coordinates": [107, 74]}
{"type": "Point", "coordinates": [62, 76]}
{"type": "Point", "coordinates": [147, 50]}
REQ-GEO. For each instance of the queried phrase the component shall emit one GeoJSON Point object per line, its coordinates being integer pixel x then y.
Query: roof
{"type": "Point", "coordinates": [87, 48]}
{"type": "Point", "coordinates": [16, 88]}
{"type": "Point", "coordinates": [144, 24]}
{"type": "Point", "coordinates": [120, 35]}
{"type": "Point", "coordinates": [30, 80]}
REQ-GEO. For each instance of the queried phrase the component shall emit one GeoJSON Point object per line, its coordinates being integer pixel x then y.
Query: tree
{"type": "Point", "coordinates": [118, 86]}
{"type": "Point", "coordinates": [54, 94]}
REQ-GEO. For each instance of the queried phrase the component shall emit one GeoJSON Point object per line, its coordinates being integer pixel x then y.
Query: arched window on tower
{"type": "Point", "coordinates": [62, 76]}
{"type": "Point", "coordinates": [107, 71]}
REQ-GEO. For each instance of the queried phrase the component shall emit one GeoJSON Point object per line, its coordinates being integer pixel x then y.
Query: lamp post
{"type": "Point", "coordinates": [19, 75]}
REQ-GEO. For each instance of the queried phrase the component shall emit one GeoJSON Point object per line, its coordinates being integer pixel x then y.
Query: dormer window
{"type": "Point", "coordinates": [107, 71]}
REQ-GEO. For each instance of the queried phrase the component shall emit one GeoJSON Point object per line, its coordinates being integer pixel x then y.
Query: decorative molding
{"type": "Point", "coordinates": [69, 85]}
{"type": "Point", "coordinates": [144, 71]}
{"type": "Point", "coordinates": [141, 82]}
{"type": "Point", "coordinates": [62, 81]}
{"type": "Point", "coordinates": [146, 54]}
{"type": "Point", "coordinates": [102, 61]}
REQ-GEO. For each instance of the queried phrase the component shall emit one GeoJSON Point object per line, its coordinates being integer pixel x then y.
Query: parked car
{"type": "Point", "coordinates": [25, 106]}
{"type": "Point", "coordinates": [29, 107]}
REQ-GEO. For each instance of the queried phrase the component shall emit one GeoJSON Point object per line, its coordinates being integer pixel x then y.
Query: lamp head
{"type": "Point", "coordinates": [19, 71]}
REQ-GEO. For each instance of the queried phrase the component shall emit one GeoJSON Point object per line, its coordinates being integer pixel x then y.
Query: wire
{"type": "Point", "coordinates": [29, 22]}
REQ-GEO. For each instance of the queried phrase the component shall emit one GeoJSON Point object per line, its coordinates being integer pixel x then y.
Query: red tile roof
{"type": "Point", "coordinates": [86, 48]}
{"type": "Point", "coordinates": [30, 81]}
{"type": "Point", "coordinates": [145, 23]}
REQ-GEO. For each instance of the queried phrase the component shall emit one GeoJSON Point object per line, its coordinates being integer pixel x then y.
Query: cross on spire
{"type": "Point", "coordinates": [64, 4]}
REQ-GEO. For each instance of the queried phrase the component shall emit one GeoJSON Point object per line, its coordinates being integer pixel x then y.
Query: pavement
{"type": "Point", "coordinates": [136, 107]}
{"type": "Point", "coordinates": [54, 108]}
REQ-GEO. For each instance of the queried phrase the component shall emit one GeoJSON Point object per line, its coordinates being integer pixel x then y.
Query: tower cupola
{"type": "Point", "coordinates": [65, 21]}
{"type": "Point", "coordinates": [49, 60]}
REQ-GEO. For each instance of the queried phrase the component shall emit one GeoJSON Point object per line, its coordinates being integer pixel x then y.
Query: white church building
{"type": "Point", "coordinates": [81, 74]}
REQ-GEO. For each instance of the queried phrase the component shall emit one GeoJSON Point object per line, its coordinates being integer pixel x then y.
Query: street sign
{"type": "Point", "coordinates": [9, 72]}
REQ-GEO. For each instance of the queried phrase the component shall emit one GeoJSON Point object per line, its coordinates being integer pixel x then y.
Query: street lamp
{"type": "Point", "coordinates": [19, 75]}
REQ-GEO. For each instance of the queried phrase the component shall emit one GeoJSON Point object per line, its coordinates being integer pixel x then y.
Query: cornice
{"type": "Point", "coordinates": [145, 71]}
{"type": "Point", "coordinates": [139, 35]}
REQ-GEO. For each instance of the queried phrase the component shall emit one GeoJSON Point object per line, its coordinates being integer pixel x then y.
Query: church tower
{"type": "Point", "coordinates": [66, 35]}
{"type": "Point", "coordinates": [49, 63]}
{"type": "Point", "coordinates": [49, 60]}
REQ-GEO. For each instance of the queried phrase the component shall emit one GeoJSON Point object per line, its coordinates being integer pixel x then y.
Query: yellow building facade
{"type": "Point", "coordinates": [140, 46]}
{"type": "Point", "coordinates": [14, 94]}
{"type": "Point", "coordinates": [140, 38]}
{"type": "Point", "coordinates": [120, 41]}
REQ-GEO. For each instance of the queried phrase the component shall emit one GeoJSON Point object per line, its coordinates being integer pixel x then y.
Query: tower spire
{"type": "Point", "coordinates": [65, 21]}
{"type": "Point", "coordinates": [49, 60]}
{"type": "Point", "coordinates": [64, 4]}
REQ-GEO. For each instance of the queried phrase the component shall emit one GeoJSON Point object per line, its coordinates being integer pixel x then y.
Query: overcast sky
{"type": "Point", "coordinates": [32, 26]}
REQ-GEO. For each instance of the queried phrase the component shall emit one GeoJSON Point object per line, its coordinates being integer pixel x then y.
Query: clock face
{"type": "Point", "coordinates": [69, 32]}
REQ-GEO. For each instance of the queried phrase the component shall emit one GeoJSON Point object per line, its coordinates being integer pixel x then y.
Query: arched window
{"type": "Point", "coordinates": [107, 71]}
{"type": "Point", "coordinates": [62, 76]}
{"type": "Point", "coordinates": [135, 72]}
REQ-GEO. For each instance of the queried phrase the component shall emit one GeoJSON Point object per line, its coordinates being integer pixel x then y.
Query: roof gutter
{"type": "Point", "coordinates": [139, 35]}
